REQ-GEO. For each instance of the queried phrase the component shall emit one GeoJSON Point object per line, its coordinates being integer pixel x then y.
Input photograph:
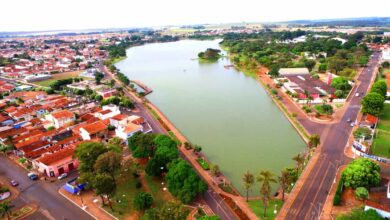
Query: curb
{"type": "Point", "coordinates": [63, 195]}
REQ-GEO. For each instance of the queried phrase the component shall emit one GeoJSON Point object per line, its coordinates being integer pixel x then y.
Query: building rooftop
{"type": "Point", "coordinates": [293, 71]}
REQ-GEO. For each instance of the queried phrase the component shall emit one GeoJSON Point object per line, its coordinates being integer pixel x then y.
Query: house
{"type": "Point", "coordinates": [61, 118]}
{"type": "Point", "coordinates": [57, 163]}
{"type": "Point", "coordinates": [106, 93]}
{"type": "Point", "coordinates": [306, 84]}
{"type": "Point", "coordinates": [108, 111]}
{"type": "Point", "coordinates": [95, 129]}
{"type": "Point", "coordinates": [119, 119]}
{"type": "Point", "coordinates": [127, 131]}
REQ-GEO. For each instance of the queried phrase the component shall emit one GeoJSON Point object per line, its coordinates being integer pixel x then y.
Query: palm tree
{"type": "Point", "coordinates": [248, 180]}
{"type": "Point", "coordinates": [284, 181]}
{"type": "Point", "coordinates": [265, 178]}
{"type": "Point", "coordinates": [300, 159]}
{"type": "Point", "coordinates": [307, 95]}
{"type": "Point", "coordinates": [5, 209]}
{"type": "Point", "coordinates": [314, 141]}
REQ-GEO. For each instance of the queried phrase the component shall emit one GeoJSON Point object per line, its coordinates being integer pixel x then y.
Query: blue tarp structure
{"type": "Point", "coordinates": [73, 188]}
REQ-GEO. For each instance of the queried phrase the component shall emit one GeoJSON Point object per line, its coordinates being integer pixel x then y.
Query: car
{"type": "Point", "coordinates": [32, 176]}
{"type": "Point", "coordinates": [14, 183]}
{"type": "Point", "coordinates": [62, 176]}
{"type": "Point", "coordinates": [352, 124]}
{"type": "Point", "coordinates": [349, 120]}
{"type": "Point", "coordinates": [357, 94]}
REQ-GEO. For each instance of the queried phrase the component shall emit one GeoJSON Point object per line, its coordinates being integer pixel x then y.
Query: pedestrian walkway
{"type": "Point", "coordinates": [88, 202]}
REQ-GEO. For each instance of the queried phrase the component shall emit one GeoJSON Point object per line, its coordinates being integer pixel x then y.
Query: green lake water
{"type": "Point", "coordinates": [226, 112]}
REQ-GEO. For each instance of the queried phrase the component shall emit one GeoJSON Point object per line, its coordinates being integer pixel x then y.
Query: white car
{"type": "Point", "coordinates": [357, 94]}
{"type": "Point", "coordinates": [62, 176]}
{"type": "Point", "coordinates": [352, 124]}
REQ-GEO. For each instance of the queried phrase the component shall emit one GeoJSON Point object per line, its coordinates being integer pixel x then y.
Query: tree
{"type": "Point", "coordinates": [142, 145]}
{"type": "Point", "coordinates": [104, 185]}
{"type": "Point", "coordinates": [314, 141]}
{"type": "Point", "coordinates": [108, 163]}
{"type": "Point", "coordinates": [265, 179]}
{"type": "Point", "coordinates": [158, 164]}
{"type": "Point", "coordinates": [373, 103]}
{"type": "Point", "coordinates": [114, 144]}
{"type": "Point", "coordinates": [361, 172]}
{"type": "Point", "coordinates": [361, 193]}
{"type": "Point", "coordinates": [171, 210]}
{"type": "Point", "coordinates": [4, 149]}
{"type": "Point", "coordinates": [300, 159]}
{"type": "Point", "coordinates": [274, 72]}
{"type": "Point", "coordinates": [322, 67]}
{"type": "Point", "coordinates": [248, 180]}
{"type": "Point", "coordinates": [6, 209]}
{"type": "Point", "coordinates": [214, 169]}
{"type": "Point", "coordinates": [336, 64]}
{"type": "Point", "coordinates": [284, 181]}
{"type": "Point", "coordinates": [98, 98]}
{"type": "Point", "coordinates": [380, 87]}
{"type": "Point", "coordinates": [87, 153]}
{"type": "Point", "coordinates": [143, 201]}
{"type": "Point", "coordinates": [341, 83]}
{"type": "Point", "coordinates": [183, 182]}
{"type": "Point", "coordinates": [98, 77]}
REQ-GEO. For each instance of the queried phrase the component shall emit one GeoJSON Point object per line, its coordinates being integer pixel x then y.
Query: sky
{"type": "Point", "coordinates": [33, 15]}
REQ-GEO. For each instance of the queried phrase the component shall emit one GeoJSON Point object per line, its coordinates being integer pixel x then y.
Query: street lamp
{"type": "Point", "coordinates": [275, 210]}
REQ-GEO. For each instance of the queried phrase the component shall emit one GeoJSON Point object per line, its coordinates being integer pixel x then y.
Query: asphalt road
{"type": "Point", "coordinates": [51, 204]}
{"type": "Point", "coordinates": [309, 202]}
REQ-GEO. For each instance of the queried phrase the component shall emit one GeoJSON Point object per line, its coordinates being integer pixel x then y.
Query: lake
{"type": "Point", "coordinates": [225, 111]}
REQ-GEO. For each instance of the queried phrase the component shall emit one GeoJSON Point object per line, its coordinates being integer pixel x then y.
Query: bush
{"type": "Point", "coordinates": [143, 201]}
{"type": "Point", "coordinates": [324, 109]}
{"type": "Point", "coordinates": [337, 196]}
{"type": "Point", "coordinates": [362, 132]}
{"type": "Point", "coordinates": [361, 193]}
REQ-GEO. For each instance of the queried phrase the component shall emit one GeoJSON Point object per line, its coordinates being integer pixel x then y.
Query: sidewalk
{"type": "Point", "coordinates": [88, 202]}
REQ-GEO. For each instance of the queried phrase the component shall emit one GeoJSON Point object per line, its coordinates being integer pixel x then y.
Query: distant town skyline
{"type": "Point", "coordinates": [26, 15]}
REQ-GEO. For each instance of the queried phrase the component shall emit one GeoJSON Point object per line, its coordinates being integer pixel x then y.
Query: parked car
{"type": "Point", "coordinates": [62, 176]}
{"type": "Point", "coordinates": [352, 124]}
{"type": "Point", "coordinates": [357, 94]}
{"type": "Point", "coordinates": [14, 183]}
{"type": "Point", "coordinates": [32, 176]}
{"type": "Point", "coordinates": [349, 120]}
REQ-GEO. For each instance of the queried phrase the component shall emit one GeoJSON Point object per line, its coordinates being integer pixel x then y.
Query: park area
{"type": "Point", "coordinates": [131, 181]}
{"type": "Point", "coordinates": [273, 208]}
{"type": "Point", "coordinates": [57, 76]}
{"type": "Point", "coordinates": [381, 145]}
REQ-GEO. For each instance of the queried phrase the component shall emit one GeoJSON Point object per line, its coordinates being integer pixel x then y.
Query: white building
{"type": "Point", "coordinates": [127, 131]}
{"type": "Point", "coordinates": [61, 118]}
{"type": "Point", "coordinates": [386, 55]}
{"type": "Point", "coordinates": [108, 111]}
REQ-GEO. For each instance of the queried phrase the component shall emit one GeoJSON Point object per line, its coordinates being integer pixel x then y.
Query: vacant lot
{"type": "Point", "coordinates": [381, 145]}
{"type": "Point", "coordinates": [58, 76]}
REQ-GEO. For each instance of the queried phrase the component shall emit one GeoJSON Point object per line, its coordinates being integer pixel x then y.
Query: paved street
{"type": "Point", "coordinates": [314, 192]}
{"type": "Point", "coordinates": [52, 204]}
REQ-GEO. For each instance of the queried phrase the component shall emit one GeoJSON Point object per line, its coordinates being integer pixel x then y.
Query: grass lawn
{"type": "Point", "coordinates": [122, 200]}
{"type": "Point", "coordinates": [258, 208]}
{"type": "Point", "coordinates": [58, 76]}
{"type": "Point", "coordinates": [384, 118]}
{"type": "Point", "coordinates": [381, 145]}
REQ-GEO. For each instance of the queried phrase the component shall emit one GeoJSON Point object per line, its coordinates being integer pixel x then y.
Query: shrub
{"type": "Point", "coordinates": [143, 201]}
{"type": "Point", "coordinates": [362, 132]}
{"type": "Point", "coordinates": [361, 193]}
{"type": "Point", "coordinates": [337, 196]}
{"type": "Point", "coordinates": [138, 185]}
{"type": "Point", "coordinates": [361, 172]}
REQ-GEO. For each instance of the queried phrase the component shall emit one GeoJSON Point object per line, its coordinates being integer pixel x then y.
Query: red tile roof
{"type": "Point", "coordinates": [95, 127]}
{"type": "Point", "coordinates": [57, 156]}
{"type": "Point", "coordinates": [372, 119]}
{"type": "Point", "coordinates": [62, 114]}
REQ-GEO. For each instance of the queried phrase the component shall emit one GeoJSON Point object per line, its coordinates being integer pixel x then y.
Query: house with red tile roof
{"type": "Point", "coordinates": [57, 163]}
{"type": "Point", "coordinates": [61, 118]}
{"type": "Point", "coordinates": [125, 132]}
{"type": "Point", "coordinates": [93, 130]}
